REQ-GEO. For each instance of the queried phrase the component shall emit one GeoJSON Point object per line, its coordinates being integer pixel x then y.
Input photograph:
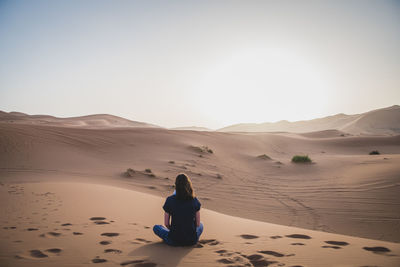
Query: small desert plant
{"type": "Point", "coordinates": [219, 176]}
{"type": "Point", "coordinates": [374, 152]}
{"type": "Point", "coordinates": [202, 149]}
{"type": "Point", "coordinates": [197, 149]}
{"type": "Point", "coordinates": [301, 159]}
{"type": "Point", "coordinates": [264, 156]}
{"type": "Point", "coordinates": [148, 170]}
{"type": "Point", "coordinates": [171, 162]}
{"type": "Point", "coordinates": [130, 172]}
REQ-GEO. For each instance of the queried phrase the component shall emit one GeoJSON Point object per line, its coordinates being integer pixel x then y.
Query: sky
{"type": "Point", "coordinates": [199, 63]}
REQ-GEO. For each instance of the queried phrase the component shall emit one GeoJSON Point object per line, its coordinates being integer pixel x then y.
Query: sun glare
{"type": "Point", "coordinates": [255, 82]}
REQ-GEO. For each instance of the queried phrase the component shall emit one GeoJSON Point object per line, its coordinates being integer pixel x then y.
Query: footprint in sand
{"type": "Point", "coordinates": [77, 233]}
{"type": "Point", "coordinates": [238, 261]}
{"type": "Point", "coordinates": [143, 240]}
{"type": "Point", "coordinates": [105, 242]}
{"type": "Point", "coordinates": [98, 260]}
{"type": "Point", "coordinates": [257, 260]}
{"type": "Point", "coordinates": [225, 261]}
{"type": "Point", "coordinates": [334, 247]}
{"type": "Point", "coordinates": [10, 227]}
{"type": "Point", "coordinates": [111, 250]}
{"type": "Point", "coordinates": [275, 236]}
{"type": "Point", "coordinates": [270, 252]}
{"type": "Point", "coordinates": [37, 254]}
{"type": "Point", "coordinates": [299, 236]}
{"type": "Point", "coordinates": [54, 250]}
{"type": "Point", "coordinates": [245, 236]}
{"type": "Point", "coordinates": [101, 222]}
{"type": "Point", "coordinates": [97, 218]}
{"type": "Point", "coordinates": [379, 250]}
{"type": "Point", "coordinates": [297, 244]}
{"type": "Point", "coordinates": [225, 253]}
{"type": "Point", "coordinates": [32, 229]}
{"type": "Point", "coordinates": [66, 224]}
{"type": "Point", "coordinates": [55, 234]}
{"type": "Point", "coordinates": [110, 234]}
{"type": "Point", "coordinates": [337, 243]}
{"type": "Point", "coordinates": [210, 242]}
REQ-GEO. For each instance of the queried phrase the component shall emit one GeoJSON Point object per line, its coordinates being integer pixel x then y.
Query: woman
{"type": "Point", "coordinates": [183, 208]}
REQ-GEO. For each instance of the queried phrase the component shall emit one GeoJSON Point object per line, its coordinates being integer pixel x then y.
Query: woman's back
{"type": "Point", "coordinates": [183, 224]}
{"type": "Point", "coordinates": [183, 208]}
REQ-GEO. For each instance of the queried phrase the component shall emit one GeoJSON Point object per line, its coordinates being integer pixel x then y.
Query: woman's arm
{"type": "Point", "coordinates": [167, 216]}
{"type": "Point", "coordinates": [197, 218]}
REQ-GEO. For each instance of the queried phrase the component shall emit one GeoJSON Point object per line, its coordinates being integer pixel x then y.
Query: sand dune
{"type": "Point", "coordinates": [57, 224]}
{"type": "Point", "coordinates": [345, 190]}
{"type": "Point", "coordinates": [192, 128]}
{"type": "Point", "coordinates": [385, 121]}
{"type": "Point", "coordinates": [72, 196]}
{"type": "Point", "coordinates": [97, 121]}
{"type": "Point", "coordinates": [381, 121]}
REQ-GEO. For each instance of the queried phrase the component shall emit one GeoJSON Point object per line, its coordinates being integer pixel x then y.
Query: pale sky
{"type": "Point", "coordinates": [204, 63]}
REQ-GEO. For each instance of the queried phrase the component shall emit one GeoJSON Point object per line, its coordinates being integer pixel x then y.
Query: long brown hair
{"type": "Point", "coordinates": [184, 188]}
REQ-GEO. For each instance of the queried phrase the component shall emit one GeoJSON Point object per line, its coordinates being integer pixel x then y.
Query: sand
{"type": "Point", "coordinates": [57, 224]}
{"type": "Point", "coordinates": [55, 176]}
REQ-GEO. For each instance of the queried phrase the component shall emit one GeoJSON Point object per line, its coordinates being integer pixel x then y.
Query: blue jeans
{"type": "Point", "coordinates": [162, 232]}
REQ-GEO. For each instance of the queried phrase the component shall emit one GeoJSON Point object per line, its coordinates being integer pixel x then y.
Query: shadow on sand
{"type": "Point", "coordinates": [161, 253]}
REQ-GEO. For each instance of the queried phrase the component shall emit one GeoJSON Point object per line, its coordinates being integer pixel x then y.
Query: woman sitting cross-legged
{"type": "Point", "coordinates": [182, 215]}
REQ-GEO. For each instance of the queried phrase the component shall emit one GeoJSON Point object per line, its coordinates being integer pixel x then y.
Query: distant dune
{"type": "Point", "coordinates": [192, 128]}
{"type": "Point", "coordinates": [91, 121]}
{"type": "Point", "coordinates": [385, 121]}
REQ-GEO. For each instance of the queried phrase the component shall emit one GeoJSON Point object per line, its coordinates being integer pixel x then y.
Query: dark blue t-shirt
{"type": "Point", "coordinates": [183, 225]}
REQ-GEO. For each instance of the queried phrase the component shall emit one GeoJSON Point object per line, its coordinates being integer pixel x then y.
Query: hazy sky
{"type": "Point", "coordinates": [205, 63]}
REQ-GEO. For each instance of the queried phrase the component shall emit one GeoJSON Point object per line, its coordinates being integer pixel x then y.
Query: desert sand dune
{"type": "Point", "coordinates": [66, 217]}
{"type": "Point", "coordinates": [385, 121]}
{"type": "Point", "coordinates": [344, 190]}
{"type": "Point", "coordinates": [97, 121]}
{"type": "Point", "coordinates": [192, 128]}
